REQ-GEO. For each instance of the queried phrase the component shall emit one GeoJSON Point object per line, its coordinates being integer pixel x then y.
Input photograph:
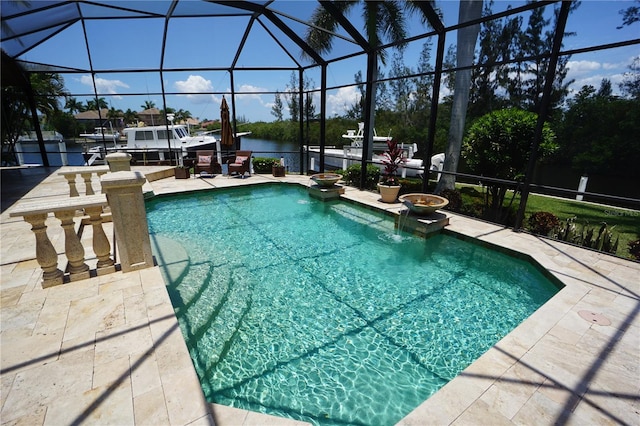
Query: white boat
{"type": "Point", "coordinates": [150, 144]}
{"type": "Point", "coordinates": [356, 137]}
{"type": "Point", "coordinates": [102, 134]}
{"type": "Point", "coordinates": [29, 144]}
{"type": "Point", "coordinates": [342, 158]}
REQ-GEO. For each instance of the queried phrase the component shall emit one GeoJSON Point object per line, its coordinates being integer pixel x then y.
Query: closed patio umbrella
{"type": "Point", "coordinates": [226, 137]}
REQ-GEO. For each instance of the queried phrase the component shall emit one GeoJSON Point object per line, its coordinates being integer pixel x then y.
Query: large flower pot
{"type": "Point", "coordinates": [182, 173]}
{"type": "Point", "coordinates": [388, 193]}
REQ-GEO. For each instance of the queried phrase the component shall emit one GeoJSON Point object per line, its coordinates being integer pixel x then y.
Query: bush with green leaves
{"type": "Point", "coordinates": [264, 164]}
{"type": "Point", "coordinates": [543, 223]}
{"type": "Point", "coordinates": [352, 176]}
{"type": "Point", "coordinates": [586, 236]}
{"type": "Point", "coordinates": [455, 199]}
{"type": "Point", "coordinates": [497, 145]}
{"type": "Point", "coordinates": [634, 248]}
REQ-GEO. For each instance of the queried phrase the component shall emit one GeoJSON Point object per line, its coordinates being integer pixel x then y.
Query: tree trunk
{"type": "Point", "coordinates": [466, 43]}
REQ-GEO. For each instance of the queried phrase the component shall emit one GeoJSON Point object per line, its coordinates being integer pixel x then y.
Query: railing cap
{"type": "Point", "coordinates": [122, 179]}
{"type": "Point", "coordinates": [62, 204]}
{"type": "Point", "coordinates": [78, 170]}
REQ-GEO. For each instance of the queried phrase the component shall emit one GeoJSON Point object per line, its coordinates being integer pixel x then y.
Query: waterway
{"type": "Point", "coordinates": [260, 148]}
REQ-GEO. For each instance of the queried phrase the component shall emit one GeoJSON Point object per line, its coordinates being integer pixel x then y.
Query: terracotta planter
{"type": "Point", "coordinates": [389, 193]}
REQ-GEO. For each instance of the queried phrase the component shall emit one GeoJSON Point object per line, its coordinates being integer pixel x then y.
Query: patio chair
{"type": "Point", "coordinates": [241, 164]}
{"type": "Point", "coordinates": [206, 162]}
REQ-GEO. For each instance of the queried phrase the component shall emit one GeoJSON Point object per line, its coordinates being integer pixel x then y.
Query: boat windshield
{"type": "Point", "coordinates": [181, 132]}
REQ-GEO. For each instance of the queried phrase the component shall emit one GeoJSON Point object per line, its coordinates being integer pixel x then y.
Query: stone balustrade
{"type": "Point", "coordinates": [87, 174]}
{"type": "Point", "coordinates": [122, 195]}
{"type": "Point", "coordinates": [37, 213]}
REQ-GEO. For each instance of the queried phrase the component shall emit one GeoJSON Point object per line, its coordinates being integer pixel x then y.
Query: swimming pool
{"type": "Point", "coordinates": [319, 311]}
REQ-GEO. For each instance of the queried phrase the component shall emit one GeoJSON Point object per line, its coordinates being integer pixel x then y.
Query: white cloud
{"type": "Point", "coordinates": [196, 84]}
{"type": "Point", "coordinates": [104, 86]}
{"type": "Point", "coordinates": [580, 68]}
{"type": "Point", "coordinates": [342, 100]}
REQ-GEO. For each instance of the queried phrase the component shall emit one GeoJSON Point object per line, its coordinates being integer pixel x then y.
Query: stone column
{"type": "Point", "coordinates": [124, 193]}
{"type": "Point", "coordinates": [78, 270]}
{"type": "Point", "coordinates": [86, 176]}
{"type": "Point", "coordinates": [46, 254]}
{"type": "Point", "coordinates": [101, 246]}
{"type": "Point", "coordinates": [119, 162]}
{"type": "Point", "coordinates": [71, 180]}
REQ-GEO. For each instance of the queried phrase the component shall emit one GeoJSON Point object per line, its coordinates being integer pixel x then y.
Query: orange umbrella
{"type": "Point", "coordinates": [226, 137]}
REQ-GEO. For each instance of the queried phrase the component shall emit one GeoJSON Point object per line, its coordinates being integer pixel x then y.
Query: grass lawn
{"type": "Point", "coordinates": [623, 223]}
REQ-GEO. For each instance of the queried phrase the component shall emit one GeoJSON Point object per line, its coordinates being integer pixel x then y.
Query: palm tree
{"type": "Point", "coordinates": [383, 21]}
{"type": "Point", "coordinates": [47, 89]}
{"type": "Point", "coordinates": [466, 43]}
{"type": "Point", "coordinates": [148, 105]}
{"type": "Point", "coordinates": [95, 105]}
{"type": "Point", "coordinates": [73, 105]}
{"type": "Point", "coordinates": [130, 116]}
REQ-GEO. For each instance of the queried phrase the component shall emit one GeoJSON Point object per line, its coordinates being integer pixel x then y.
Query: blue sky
{"type": "Point", "coordinates": [131, 44]}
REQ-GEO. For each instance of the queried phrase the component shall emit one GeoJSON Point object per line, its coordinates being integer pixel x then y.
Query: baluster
{"type": "Point", "coordinates": [87, 182]}
{"type": "Point", "coordinates": [71, 180]}
{"type": "Point", "coordinates": [46, 254]}
{"type": "Point", "coordinates": [78, 270]}
{"type": "Point", "coordinates": [101, 246]}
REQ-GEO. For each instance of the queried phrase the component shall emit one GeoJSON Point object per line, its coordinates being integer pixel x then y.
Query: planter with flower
{"type": "Point", "coordinates": [389, 186]}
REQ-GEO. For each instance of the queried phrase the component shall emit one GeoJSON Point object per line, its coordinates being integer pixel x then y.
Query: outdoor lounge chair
{"type": "Point", "coordinates": [241, 164]}
{"type": "Point", "coordinates": [206, 162]}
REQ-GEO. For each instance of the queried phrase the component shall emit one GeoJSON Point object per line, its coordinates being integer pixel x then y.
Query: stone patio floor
{"type": "Point", "coordinates": [108, 350]}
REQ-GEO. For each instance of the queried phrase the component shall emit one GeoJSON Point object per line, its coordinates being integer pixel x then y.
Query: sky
{"type": "Point", "coordinates": [127, 44]}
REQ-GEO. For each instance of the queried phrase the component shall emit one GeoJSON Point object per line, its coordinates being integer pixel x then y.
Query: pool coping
{"type": "Point", "coordinates": [553, 367]}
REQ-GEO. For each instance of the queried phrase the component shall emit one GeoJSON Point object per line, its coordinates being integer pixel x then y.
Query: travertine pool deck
{"type": "Point", "coordinates": [107, 350]}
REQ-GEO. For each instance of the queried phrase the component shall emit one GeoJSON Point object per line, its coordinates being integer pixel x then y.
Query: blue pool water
{"type": "Point", "coordinates": [319, 311]}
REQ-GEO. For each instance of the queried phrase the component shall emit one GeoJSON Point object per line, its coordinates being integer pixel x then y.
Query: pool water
{"type": "Point", "coordinates": [320, 311]}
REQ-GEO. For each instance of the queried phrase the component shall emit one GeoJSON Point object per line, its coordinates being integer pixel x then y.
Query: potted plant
{"type": "Point", "coordinates": [182, 172]}
{"type": "Point", "coordinates": [389, 186]}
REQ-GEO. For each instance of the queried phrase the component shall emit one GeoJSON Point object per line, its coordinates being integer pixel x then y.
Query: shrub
{"type": "Point", "coordinates": [352, 176]}
{"type": "Point", "coordinates": [584, 236]}
{"type": "Point", "coordinates": [409, 185]}
{"type": "Point", "coordinates": [543, 223]}
{"type": "Point", "coordinates": [455, 199]}
{"type": "Point", "coordinates": [264, 164]}
{"type": "Point", "coordinates": [498, 145]}
{"type": "Point", "coordinates": [634, 248]}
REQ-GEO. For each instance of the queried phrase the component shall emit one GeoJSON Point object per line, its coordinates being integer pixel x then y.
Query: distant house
{"type": "Point", "coordinates": [152, 117]}
{"type": "Point", "coordinates": [214, 123]}
{"type": "Point", "coordinates": [89, 120]}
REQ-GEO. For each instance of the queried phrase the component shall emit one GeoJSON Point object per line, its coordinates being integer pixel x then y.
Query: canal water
{"type": "Point", "coordinates": [260, 147]}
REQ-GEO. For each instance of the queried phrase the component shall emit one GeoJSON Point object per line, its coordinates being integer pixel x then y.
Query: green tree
{"type": "Point", "coordinates": [630, 15]}
{"type": "Point", "coordinates": [400, 88]}
{"type": "Point", "coordinates": [277, 107]}
{"type": "Point", "coordinates": [598, 133]}
{"type": "Point", "coordinates": [48, 89]}
{"type": "Point", "coordinates": [383, 20]}
{"type": "Point", "coordinates": [148, 105]}
{"type": "Point", "coordinates": [130, 116]}
{"type": "Point", "coordinates": [498, 42]}
{"type": "Point", "coordinates": [73, 105]}
{"type": "Point", "coordinates": [95, 105]}
{"type": "Point", "coordinates": [293, 100]}
{"type": "Point", "coordinates": [423, 87]}
{"type": "Point", "coordinates": [527, 80]}
{"type": "Point", "coordinates": [498, 145]}
{"type": "Point", "coordinates": [630, 85]}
